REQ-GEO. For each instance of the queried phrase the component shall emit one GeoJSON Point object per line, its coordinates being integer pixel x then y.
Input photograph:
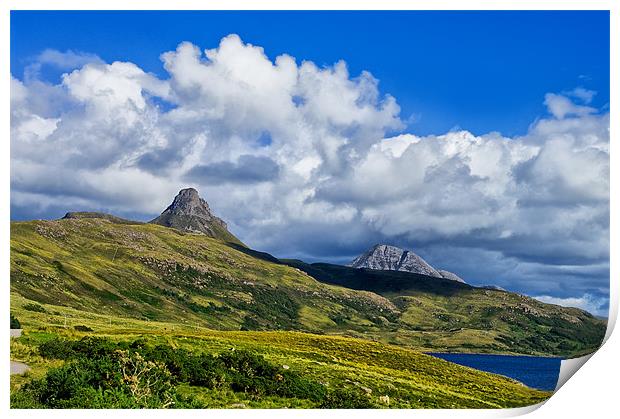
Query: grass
{"type": "Point", "coordinates": [410, 379]}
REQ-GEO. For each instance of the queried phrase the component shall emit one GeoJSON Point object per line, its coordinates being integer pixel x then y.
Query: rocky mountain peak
{"type": "Point", "coordinates": [189, 212]}
{"type": "Point", "coordinates": [189, 203]}
{"type": "Point", "coordinates": [392, 258]}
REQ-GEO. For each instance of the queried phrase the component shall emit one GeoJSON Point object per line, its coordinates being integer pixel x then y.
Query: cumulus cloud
{"type": "Point", "coordinates": [303, 161]}
{"type": "Point", "coordinates": [596, 306]}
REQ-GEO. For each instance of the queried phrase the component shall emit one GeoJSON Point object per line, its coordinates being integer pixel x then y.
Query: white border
{"type": "Point", "coordinates": [593, 392]}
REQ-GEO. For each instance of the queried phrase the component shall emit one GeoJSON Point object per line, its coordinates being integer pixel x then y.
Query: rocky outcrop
{"type": "Point", "coordinates": [189, 212]}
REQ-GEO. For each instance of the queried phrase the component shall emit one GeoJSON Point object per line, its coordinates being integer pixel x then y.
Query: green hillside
{"type": "Point", "coordinates": [154, 273]}
{"type": "Point", "coordinates": [157, 273]}
{"type": "Point", "coordinates": [441, 314]}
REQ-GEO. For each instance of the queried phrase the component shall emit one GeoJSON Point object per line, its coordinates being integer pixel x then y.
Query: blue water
{"type": "Point", "coordinates": [533, 371]}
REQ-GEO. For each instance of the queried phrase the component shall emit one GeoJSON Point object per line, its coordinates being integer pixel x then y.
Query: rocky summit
{"type": "Point", "coordinates": [189, 212]}
{"type": "Point", "coordinates": [392, 258]}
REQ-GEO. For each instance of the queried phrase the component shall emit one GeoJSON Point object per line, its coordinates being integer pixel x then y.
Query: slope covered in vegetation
{"type": "Point", "coordinates": [447, 315]}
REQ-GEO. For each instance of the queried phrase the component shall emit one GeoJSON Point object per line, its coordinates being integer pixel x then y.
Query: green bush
{"type": "Point", "coordinates": [82, 328]}
{"type": "Point", "coordinates": [15, 324]}
{"type": "Point", "coordinates": [346, 398]}
{"type": "Point", "coordinates": [35, 307]}
{"type": "Point", "coordinates": [87, 347]}
{"type": "Point", "coordinates": [123, 379]}
{"type": "Point", "coordinates": [56, 349]}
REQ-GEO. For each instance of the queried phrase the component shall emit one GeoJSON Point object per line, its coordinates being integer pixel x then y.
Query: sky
{"type": "Point", "coordinates": [480, 140]}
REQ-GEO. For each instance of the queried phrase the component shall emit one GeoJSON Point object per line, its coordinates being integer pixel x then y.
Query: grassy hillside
{"type": "Point", "coordinates": [154, 273]}
{"type": "Point", "coordinates": [157, 273]}
{"type": "Point", "coordinates": [335, 371]}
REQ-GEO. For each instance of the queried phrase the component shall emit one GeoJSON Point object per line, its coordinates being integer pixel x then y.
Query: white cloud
{"type": "Point", "coordinates": [58, 60]}
{"type": "Point", "coordinates": [313, 144]}
{"type": "Point", "coordinates": [582, 94]}
{"type": "Point", "coordinates": [66, 60]}
{"type": "Point", "coordinates": [561, 106]}
{"type": "Point", "coordinates": [596, 306]}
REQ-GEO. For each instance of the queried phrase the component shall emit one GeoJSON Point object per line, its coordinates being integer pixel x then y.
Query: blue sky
{"type": "Point", "coordinates": [478, 139]}
{"type": "Point", "coordinates": [478, 70]}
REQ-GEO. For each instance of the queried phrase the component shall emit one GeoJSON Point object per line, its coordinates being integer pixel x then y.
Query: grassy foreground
{"type": "Point", "coordinates": [363, 373]}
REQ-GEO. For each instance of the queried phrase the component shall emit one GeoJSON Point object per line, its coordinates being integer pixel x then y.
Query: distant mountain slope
{"type": "Point", "coordinates": [450, 275]}
{"type": "Point", "coordinates": [189, 212]}
{"type": "Point", "coordinates": [450, 315]}
{"type": "Point", "coordinates": [378, 281]}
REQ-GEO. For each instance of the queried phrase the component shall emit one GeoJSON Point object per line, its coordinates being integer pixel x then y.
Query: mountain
{"type": "Point", "coordinates": [146, 271]}
{"type": "Point", "coordinates": [392, 258]}
{"type": "Point", "coordinates": [189, 212]}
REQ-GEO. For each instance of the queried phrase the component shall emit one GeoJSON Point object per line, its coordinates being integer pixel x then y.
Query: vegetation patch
{"type": "Point", "coordinates": [35, 307]}
{"type": "Point", "coordinates": [15, 324]}
{"type": "Point", "coordinates": [100, 373]}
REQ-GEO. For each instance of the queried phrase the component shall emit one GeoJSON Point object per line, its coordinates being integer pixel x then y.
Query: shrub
{"type": "Point", "coordinates": [82, 328]}
{"type": "Point", "coordinates": [147, 382]}
{"type": "Point", "coordinates": [15, 324]}
{"type": "Point", "coordinates": [103, 373]}
{"type": "Point", "coordinates": [56, 349]}
{"type": "Point", "coordinates": [346, 398]}
{"type": "Point", "coordinates": [35, 307]}
{"type": "Point", "coordinates": [122, 380]}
